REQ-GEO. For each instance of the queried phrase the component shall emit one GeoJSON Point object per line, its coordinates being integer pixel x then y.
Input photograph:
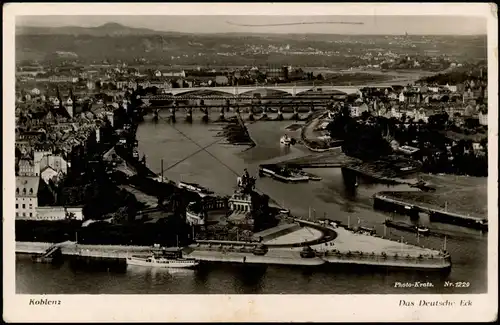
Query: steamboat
{"type": "Point", "coordinates": [169, 259]}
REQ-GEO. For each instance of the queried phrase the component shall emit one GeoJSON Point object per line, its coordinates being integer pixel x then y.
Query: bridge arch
{"type": "Point", "coordinates": [202, 92]}
{"type": "Point", "coordinates": [263, 92]}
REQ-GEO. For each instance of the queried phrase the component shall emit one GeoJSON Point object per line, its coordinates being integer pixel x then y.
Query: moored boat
{"type": "Point", "coordinates": [161, 262]}
{"type": "Point", "coordinates": [283, 174]}
{"type": "Point", "coordinates": [166, 258]}
{"type": "Point", "coordinates": [407, 227]}
{"type": "Point", "coordinates": [202, 191]}
{"type": "Point", "coordinates": [285, 140]}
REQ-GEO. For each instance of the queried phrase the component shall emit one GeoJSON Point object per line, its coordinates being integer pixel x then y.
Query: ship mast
{"type": "Point", "coordinates": [162, 170]}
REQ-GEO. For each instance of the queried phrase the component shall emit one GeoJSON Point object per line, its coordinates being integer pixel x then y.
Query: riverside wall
{"type": "Point", "coordinates": [383, 201]}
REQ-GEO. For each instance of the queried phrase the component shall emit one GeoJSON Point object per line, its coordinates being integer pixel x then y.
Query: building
{"type": "Point", "coordinates": [63, 79]}
{"type": "Point", "coordinates": [69, 106]}
{"type": "Point", "coordinates": [221, 80]}
{"type": "Point", "coordinates": [55, 162]}
{"type": "Point", "coordinates": [277, 72]}
{"type": "Point", "coordinates": [90, 85]}
{"type": "Point", "coordinates": [27, 196]}
{"type": "Point", "coordinates": [57, 213]}
{"type": "Point", "coordinates": [483, 118]}
{"type": "Point", "coordinates": [27, 168]}
{"type": "Point", "coordinates": [181, 74]}
{"type": "Point", "coordinates": [356, 110]}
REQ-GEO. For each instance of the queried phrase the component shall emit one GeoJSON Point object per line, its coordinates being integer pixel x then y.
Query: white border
{"type": "Point", "coordinates": [237, 308]}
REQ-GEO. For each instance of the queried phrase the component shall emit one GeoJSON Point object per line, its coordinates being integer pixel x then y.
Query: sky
{"type": "Point", "coordinates": [382, 25]}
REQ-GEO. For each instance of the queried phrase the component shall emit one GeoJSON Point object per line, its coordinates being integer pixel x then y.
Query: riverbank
{"type": "Point", "coordinates": [308, 138]}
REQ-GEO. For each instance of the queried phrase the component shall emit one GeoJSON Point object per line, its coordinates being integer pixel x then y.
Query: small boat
{"type": "Point", "coordinates": [285, 140]}
{"type": "Point", "coordinates": [368, 230]}
{"type": "Point", "coordinates": [202, 191]}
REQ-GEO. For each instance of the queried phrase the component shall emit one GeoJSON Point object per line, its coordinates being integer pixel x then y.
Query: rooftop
{"type": "Point", "coordinates": [27, 185]}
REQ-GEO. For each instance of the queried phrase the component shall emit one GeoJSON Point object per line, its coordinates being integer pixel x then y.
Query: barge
{"type": "Point", "coordinates": [193, 187]}
{"type": "Point", "coordinates": [282, 174]}
{"type": "Point", "coordinates": [421, 230]}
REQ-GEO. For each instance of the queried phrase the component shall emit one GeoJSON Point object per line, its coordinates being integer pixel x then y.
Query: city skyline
{"type": "Point", "coordinates": [348, 25]}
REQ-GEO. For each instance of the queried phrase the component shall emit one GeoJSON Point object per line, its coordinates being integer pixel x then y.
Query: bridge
{"type": "Point", "coordinates": [238, 91]}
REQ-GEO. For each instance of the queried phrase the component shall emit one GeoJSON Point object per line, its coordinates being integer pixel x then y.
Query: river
{"type": "Point", "coordinates": [217, 170]}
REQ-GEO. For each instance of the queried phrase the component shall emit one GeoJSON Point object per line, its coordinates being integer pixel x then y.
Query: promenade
{"type": "Point", "coordinates": [341, 246]}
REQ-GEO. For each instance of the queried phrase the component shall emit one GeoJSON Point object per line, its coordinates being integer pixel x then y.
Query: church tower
{"type": "Point", "coordinates": [69, 104]}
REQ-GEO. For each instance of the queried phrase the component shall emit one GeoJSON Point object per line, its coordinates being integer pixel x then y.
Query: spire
{"type": "Point", "coordinates": [58, 94]}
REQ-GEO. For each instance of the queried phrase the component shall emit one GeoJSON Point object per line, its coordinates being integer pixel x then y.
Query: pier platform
{"type": "Point", "coordinates": [273, 256]}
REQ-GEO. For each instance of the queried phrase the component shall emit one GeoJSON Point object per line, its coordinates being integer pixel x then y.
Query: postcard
{"type": "Point", "coordinates": [250, 162]}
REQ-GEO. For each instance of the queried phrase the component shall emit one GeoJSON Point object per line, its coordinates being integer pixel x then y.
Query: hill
{"type": "Point", "coordinates": [109, 29]}
{"type": "Point", "coordinates": [113, 41]}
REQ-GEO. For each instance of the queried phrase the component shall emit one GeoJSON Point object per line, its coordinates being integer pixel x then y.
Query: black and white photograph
{"type": "Point", "coordinates": [313, 153]}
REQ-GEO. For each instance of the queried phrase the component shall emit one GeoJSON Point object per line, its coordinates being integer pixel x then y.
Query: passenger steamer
{"type": "Point", "coordinates": [170, 259]}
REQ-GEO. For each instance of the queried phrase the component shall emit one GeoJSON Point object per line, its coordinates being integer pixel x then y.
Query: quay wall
{"type": "Point", "coordinates": [383, 201]}
{"type": "Point", "coordinates": [389, 260]}
{"type": "Point", "coordinates": [71, 248]}
{"type": "Point", "coordinates": [306, 142]}
{"type": "Point", "coordinates": [276, 258]}
{"type": "Point", "coordinates": [245, 255]}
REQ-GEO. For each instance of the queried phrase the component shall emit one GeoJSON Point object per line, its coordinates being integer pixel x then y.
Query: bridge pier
{"type": "Point", "coordinates": [189, 115]}
{"type": "Point", "coordinates": [205, 115]}
{"type": "Point", "coordinates": [249, 110]}
{"type": "Point", "coordinates": [295, 115]}
{"type": "Point", "coordinates": [311, 111]}
{"type": "Point", "coordinates": [280, 115]}
{"type": "Point", "coordinates": [172, 115]}
{"type": "Point", "coordinates": [264, 114]}
{"type": "Point", "coordinates": [221, 115]}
